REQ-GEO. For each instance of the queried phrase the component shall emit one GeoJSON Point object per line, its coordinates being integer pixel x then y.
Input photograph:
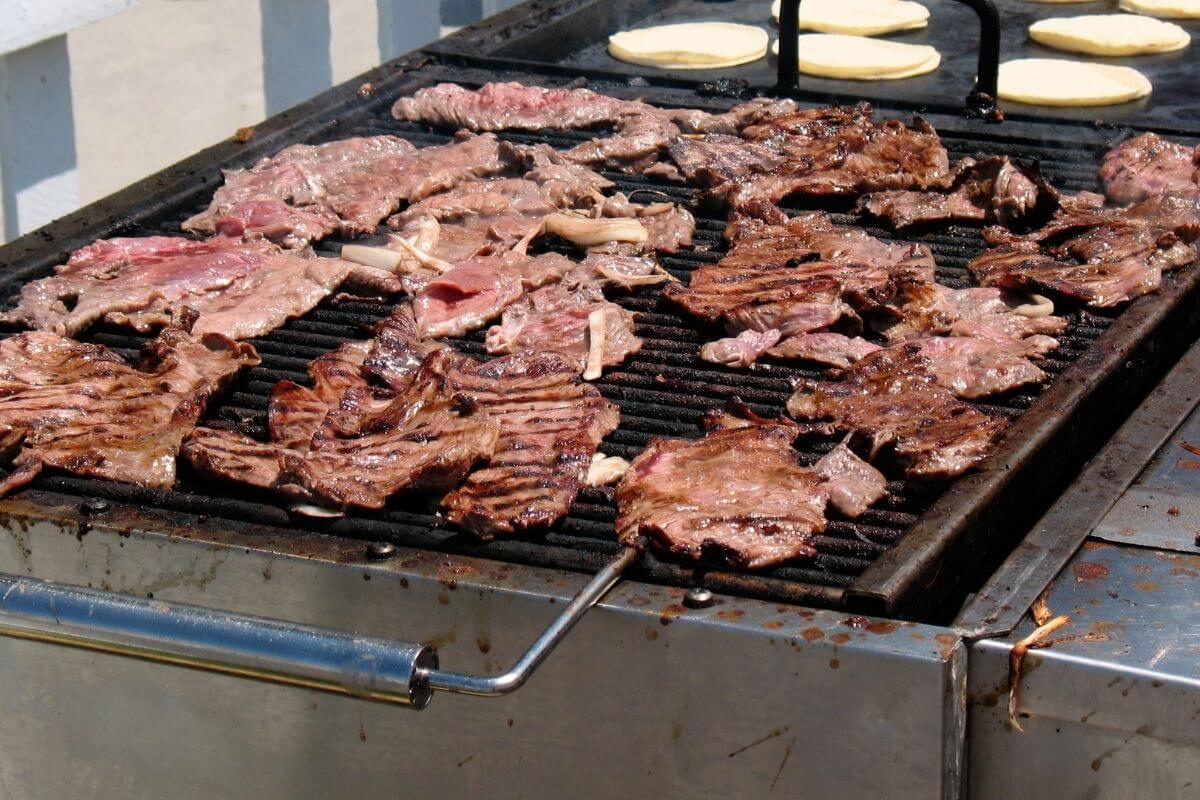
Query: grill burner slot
{"type": "Point", "coordinates": [663, 390]}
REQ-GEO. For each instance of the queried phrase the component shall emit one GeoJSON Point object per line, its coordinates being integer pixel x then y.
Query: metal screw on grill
{"type": "Point", "coordinates": [378, 551]}
{"type": "Point", "coordinates": [699, 597]}
{"type": "Point", "coordinates": [94, 505]}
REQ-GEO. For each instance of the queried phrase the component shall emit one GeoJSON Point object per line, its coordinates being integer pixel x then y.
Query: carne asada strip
{"type": "Point", "coordinates": [1146, 166]}
{"type": "Point", "coordinates": [79, 408]}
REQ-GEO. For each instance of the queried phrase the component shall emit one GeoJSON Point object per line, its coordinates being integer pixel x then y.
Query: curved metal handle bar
{"type": "Point", "coordinates": [264, 649]}
{"type": "Point", "coordinates": [981, 99]}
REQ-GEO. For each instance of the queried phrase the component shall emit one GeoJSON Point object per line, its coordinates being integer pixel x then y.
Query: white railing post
{"type": "Point", "coordinates": [39, 179]}
{"type": "Point", "coordinates": [38, 174]}
{"type": "Point", "coordinates": [295, 47]}
{"type": "Point", "coordinates": [405, 25]}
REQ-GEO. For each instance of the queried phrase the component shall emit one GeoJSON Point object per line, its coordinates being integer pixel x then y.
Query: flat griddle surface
{"type": "Point", "coordinates": [578, 38]}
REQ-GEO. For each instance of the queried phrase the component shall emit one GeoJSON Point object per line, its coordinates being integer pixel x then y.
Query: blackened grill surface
{"type": "Point", "coordinates": [663, 390]}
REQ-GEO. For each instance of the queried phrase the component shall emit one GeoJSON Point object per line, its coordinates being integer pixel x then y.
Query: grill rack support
{"type": "Point", "coordinates": [398, 672]}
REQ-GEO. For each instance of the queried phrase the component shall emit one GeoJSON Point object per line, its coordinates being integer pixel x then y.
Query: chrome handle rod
{"type": "Point", "coordinates": [515, 678]}
{"type": "Point", "coordinates": [214, 641]}
{"type": "Point", "coordinates": [405, 673]}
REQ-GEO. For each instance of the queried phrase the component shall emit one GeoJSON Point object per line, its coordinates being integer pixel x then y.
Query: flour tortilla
{"type": "Point", "coordinates": [1169, 9]}
{"type": "Point", "coordinates": [690, 45]}
{"type": "Point", "coordinates": [859, 17]}
{"type": "Point", "coordinates": [834, 55]}
{"type": "Point", "coordinates": [1109, 34]}
{"type": "Point", "coordinates": [1058, 82]}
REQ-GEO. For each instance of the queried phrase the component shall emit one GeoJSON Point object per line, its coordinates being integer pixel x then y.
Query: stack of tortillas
{"type": "Point", "coordinates": [843, 49]}
{"type": "Point", "coordinates": [1055, 82]}
{"type": "Point", "coordinates": [690, 45]}
{"type": "Point", "coordinates": [836, 55]}
{"type": "Point", "coordinates": [859, 17]}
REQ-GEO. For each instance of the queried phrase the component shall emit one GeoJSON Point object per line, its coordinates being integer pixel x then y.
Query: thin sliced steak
{"type": "Point", "coordinates": [1148, 165]}
{"type": "Point", "coordinates": [564, 320]}
{"type": "Point", "coordinates": [853, 484]}
{"type": "Point", "coordinates": [739, 495]}
{"type": "Point", "coordinates": [741, 350]}
{"type": "Point", "coordinates": [240, 289]}
{"type": "Point", "coordinates": [372, 447]}
{"type": "Point", "coordinates": [85, 412]}
{"type": "Point", "coordinates": [294, 412]}
{"type": "Point", "coordinates": [348, 185]}
{"type": "Point", "coordinates": [478, 290]}
{"type": "Point", "coordinates": [889, 402]}
{"type": "Point", "coordinates": [831, 349]}
{"type": "Point", "coordinates": [551, 424]}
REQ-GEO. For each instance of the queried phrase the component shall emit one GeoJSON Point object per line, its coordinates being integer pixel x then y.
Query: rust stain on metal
{"type": "Point", "coordinates": [1191, 448]}
{"type": "Point", "coordinates": [840, 638]}
{"type": "Point", "coordinates": [812, 634]}
{"type": "Point", "coordinates": [1188, 464]}
{"type": "Point", "coordinates": [1173, 511]}
{"type": "Point", "coordinates": [639, 601]}
{"type": "Point", "coordinates": [243, 135]}
{"type": "Point", "coordinates": [773, 624]}
{"type": "Point", "coordinates": [671, 612]}
{"type": "Point", "coordinates": [1089, 571]}
{"type": "Point", "coordinates": [834, 663]}
{"type": "Point", "coordinates": [856, 622]}
{"type": "Point", "coordinates": [651, 634]}
{"type": "Point", "coordinates": [1147, 586]}
{"type": "Point", "coordinates": [731, 613]}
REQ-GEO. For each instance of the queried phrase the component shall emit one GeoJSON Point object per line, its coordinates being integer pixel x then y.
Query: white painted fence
{"type": "Point", "coordinates": [38, 170]}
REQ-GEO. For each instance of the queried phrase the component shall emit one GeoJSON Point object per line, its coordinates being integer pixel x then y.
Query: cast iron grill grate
{"type": "Point", "coordinates": [662, 391]}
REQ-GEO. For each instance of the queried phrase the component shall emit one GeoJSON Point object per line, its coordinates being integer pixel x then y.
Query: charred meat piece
{"type": "Point", "coordinates": [741, 350]}
{"type": "Point", "coordinates": [831, 349]}
{"type": "Point", "coordinates": [78, 408]}
{"type": "Point", "coordinates": [573, 321]}
{"type": "Point", "coordinates": [550, 426]}
{"type": "Point", "coordinates": [349, 184]}
{"type": "Point", "coordinates": [508, 106]}
{"type": "Point", "coordinates": [375, 445]}
{"type": "Point", "coordinates": [925, 309]}
{"type": "Point", "coordinates": [233, 457]}
{"type": "Point", "coordinates": [974, 368]}
{"type": "Point", "coordinates": [1102, 256]}
{"type": "Point", "coordinates": [294, 412]}
{"type": "Point", "coordinates": [813, 235]}
{"type": "Point", "coordinates": [739, 495]}
{"type": "Point", "coordinates": [853, 484]}
{"type": "Point", "coordinates": [241, 289]}
{"type": "Point", "coordinates": [891, 400]}
{"type": "Point", "coordinates": [1147, 166]}
{"type": "Point", "coordinates": [994, 190]}
{"type": "Point", "coordinates": [478, 290]}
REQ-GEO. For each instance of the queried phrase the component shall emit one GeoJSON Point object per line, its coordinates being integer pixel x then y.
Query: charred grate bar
{"type": "Point", "coordinates": [917, 549]}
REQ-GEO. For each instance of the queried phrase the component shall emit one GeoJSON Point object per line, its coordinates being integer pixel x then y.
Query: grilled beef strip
{"type": "Point", "coordinates": [79, 408]}
{"type": "Point", "coordinates": [830, 349]}
{"type": "Point", "coordinates": [930, 309]}
{"type": "Point", "coordinates": [741, 350]}
{"type": "Point", "coordinates": [373, 446]}
{"type": "Point", "coordinates": [218, 285]}
{"type": "Point", "coordinates": [1148, 165]}
{"type": "Point", "coordinates": [573, 320]}
{"type": "Point", "coordinates": [1102, 256]}
{"type": "Point", "coordinates": [642, 132]}
{"type": "Point", "coordinates": [551, 424]}
{"type": "Point", "coordinates": [305, 192]}
{"type": "Point", "coordinates": [994, 189]}
{"type": "Point", "coordinates": [740, 494]}
{"type": "Point", "coordinates": [891, 400]}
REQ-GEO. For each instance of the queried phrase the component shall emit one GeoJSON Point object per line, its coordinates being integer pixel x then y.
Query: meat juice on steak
{"type": "Point", "coordinates": [79, 408]}
{"type": "Point", "coordinates": [242, 289]}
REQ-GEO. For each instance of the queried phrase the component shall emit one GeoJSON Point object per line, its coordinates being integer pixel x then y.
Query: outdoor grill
{"type": "Point", "coordinates": [916, 556]}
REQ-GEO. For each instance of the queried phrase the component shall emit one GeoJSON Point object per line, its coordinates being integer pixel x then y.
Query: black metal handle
{"type": "Point", "coordinates": [982, 98]}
